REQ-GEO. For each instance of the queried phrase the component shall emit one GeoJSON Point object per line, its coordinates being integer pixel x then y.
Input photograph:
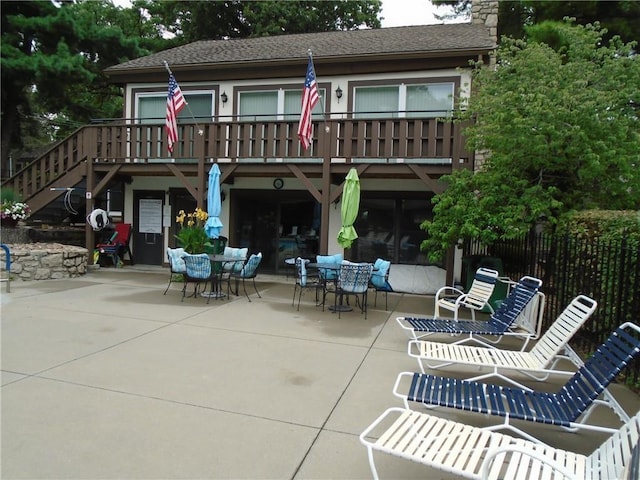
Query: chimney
{"type": "Point", "coordinates": [485, 12]}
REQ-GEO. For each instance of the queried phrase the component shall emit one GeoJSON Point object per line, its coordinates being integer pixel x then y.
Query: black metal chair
{"type": "Point", "coordinates": [305, 280]}
{"type": "Point", "coordinates": [249, 271]}
{"type": "Point", "coordinates": [198, 271]}
{"type": "Point", "coordinates": [353, 279]}
{"type": "Point", "coordinates": [176, 264]}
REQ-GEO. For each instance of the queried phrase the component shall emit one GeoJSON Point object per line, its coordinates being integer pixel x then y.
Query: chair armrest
{"type": "Point", "coordinates": [542, 458]}
{"type": "Point", "coordinates": [448, 292]}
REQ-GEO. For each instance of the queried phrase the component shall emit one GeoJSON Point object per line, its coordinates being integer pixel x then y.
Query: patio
{"type": "Point", "coordinates": [104, 377]}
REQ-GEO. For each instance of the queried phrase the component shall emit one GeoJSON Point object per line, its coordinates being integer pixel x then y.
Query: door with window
{"type": "Point", "coordinates": [148, 240]}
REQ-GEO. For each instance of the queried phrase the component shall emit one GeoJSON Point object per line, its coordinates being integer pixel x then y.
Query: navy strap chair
{"type": "Point", "coordinates": [500, 324]}
{"type": "Point", "coordinates": [569, 407]}
{"type": "Point", "coordinates": [198, 272]}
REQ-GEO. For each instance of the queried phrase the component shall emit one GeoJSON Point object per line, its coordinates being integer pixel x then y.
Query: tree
{"type": "Point", "coordinates": [52, 62]}
{"type": "Point", "coordinates": [560, 128]}
{"type": "Point", "coordinates": [620, 17]}
{"type": "Point", "coordinates": [190, 21]}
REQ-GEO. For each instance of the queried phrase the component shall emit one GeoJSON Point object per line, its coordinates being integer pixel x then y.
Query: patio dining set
{"type": "Point", "coordinates": [475, 452]}
{"type": "Point", "coordinates": [332, 275]}
{"type": "Point", "coordinates": [223, 265]}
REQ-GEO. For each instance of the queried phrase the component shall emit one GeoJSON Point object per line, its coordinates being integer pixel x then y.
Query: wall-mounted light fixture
{"type": "Point", "coordinates": [224, 97]}
{"type": "Point", "coordinates": [339, 92]}
{"type": "Point", "coordinates": [223, 195]}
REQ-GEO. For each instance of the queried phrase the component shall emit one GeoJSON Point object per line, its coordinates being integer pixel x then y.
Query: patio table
{"type": "Point", "coordinates": [219, 260]}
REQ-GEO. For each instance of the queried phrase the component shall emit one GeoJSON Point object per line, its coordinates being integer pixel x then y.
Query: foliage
{"type": "Point", "coordinates": [192, 236]}
{"type": "Point", "coordinates": [606, 225]}
{"type": "Point", "coordinates": [14, 210]}
{"type": "Point", "coordinates": [620, 17]}
{"type": "Point", "coordinates": [53, 56]}
{"type": "Point", "coordinates": [561, 127]}
{"type": "Point", "coordinates": [190, 21]}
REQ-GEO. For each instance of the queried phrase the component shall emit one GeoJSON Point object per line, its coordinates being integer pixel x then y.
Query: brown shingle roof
{"type": "Point", "coordinates": [425, 39]}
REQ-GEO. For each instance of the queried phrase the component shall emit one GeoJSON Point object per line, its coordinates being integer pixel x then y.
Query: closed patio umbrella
{"type": "Point", "coordinates": [213, 227]}
{"type": "Point", "coordinates": [349, 209]}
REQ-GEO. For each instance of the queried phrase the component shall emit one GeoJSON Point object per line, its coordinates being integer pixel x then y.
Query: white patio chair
{"type": "Point", "coordinates": [452, 299]}
{"type": "Point", "coordinates": [538, 363]}
{"type": "Point", "coordinates": [476, 453]}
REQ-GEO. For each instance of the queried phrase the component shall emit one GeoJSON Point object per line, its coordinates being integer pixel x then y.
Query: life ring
{"type": "Point", "coordinates": [98, 219]}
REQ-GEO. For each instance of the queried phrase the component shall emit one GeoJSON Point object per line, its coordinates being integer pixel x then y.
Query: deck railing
{"type": "Point", "coordinates": [391, 140]}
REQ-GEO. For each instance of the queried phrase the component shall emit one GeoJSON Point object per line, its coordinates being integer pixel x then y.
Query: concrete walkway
{"type": "Point", "coordinates": [104, 377]}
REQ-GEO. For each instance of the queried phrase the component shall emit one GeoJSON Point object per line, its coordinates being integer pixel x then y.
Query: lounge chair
{"type": "Point", "coordinates": [508, 319]}
{"type": "Point", "coordinates": [477, 298]}
{"type": "Point", "coordinates": [476, 453]}
{"type": "Point", "coordinates": [538, 363]}
{"type": "Point", "coordinates": [569, 407]}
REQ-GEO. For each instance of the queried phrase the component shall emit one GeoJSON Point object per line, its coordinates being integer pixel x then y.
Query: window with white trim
{"type": "Point", "coordinates": [275, 104]}
{"type": "Point", "coordinates": [152, 107]}
{"type": "Point", "coordinates": [413, 100]}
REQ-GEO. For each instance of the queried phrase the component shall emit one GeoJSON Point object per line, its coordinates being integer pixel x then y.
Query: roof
{"type": "Point", "coordinates": [428, 40]}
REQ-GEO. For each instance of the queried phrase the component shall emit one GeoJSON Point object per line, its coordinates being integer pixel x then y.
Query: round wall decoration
{"type": "Point", "coordinates": [278, 183]}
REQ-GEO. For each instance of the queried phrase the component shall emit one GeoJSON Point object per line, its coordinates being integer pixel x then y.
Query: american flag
{"type": "Point", "coordinates": [175, 103]}
{"type": "Point", "coordinates": [309, 100]}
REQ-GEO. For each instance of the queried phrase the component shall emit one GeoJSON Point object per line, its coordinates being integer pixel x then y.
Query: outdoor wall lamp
{"type": "Point", "coordinates": [339, 92]}
{"type": "Point", "coordinates": [224, 97]}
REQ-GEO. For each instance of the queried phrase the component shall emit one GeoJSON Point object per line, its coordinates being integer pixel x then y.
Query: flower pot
{"type": "Point", "coordinates": [8, 222]}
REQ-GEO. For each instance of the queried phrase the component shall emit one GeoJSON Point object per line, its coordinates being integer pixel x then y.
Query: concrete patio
{"type": "Point", "coordinates": [105, 377]}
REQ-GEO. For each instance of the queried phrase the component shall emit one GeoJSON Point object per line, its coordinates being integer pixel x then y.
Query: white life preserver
{"type": "Point", "coordinates": [98, 219]}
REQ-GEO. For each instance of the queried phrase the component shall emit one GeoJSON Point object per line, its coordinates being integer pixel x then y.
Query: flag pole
{"type": "Point", "coordinates": [200, 131]}
{"type": "Point", "coordinates": [324, 115]}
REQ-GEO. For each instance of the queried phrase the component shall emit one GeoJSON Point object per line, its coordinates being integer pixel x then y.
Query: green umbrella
{"type": "Point", "coordinates": [349, 210]}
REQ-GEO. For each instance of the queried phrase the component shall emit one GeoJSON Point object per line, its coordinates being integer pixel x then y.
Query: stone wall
{"type": "Point", "coordinates": [37, 261]}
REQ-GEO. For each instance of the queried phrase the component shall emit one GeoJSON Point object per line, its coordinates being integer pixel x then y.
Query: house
{"type": "Point", "coordinates": [385, 95]}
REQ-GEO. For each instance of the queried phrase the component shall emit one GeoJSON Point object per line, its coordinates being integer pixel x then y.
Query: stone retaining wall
{"type": "Point", "coordinates": [45, 261]}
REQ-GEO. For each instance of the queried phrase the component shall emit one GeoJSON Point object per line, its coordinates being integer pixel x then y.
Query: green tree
{"type": "Point", "coordinates": [53, 56]}
{"type": "Point", "coordinates": [190, 21]}
{"type": "Point", "coordinates": [560, 128]}
{"type": "Point", "coordinates": [620, 17]}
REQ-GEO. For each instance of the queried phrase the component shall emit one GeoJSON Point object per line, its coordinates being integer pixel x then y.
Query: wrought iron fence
{"type": "Point", "coordinates": [607, 271]}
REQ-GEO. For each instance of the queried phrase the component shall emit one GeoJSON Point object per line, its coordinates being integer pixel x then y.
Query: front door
{"type": "Point", "coordinates": [148, 241]}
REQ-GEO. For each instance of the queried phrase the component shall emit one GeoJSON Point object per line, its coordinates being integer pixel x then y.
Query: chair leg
{"type": "Point", "coordinates": [167, 289]}
{"type": "Point", "coordinates": [255, 287]}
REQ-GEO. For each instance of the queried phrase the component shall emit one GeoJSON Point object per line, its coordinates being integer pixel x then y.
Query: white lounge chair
{"type": "Point", "coordinates": [453, 299]}
{"type": "Point", "coordinates": [476, 453]}
{"type": "Point", "coordinates": [538, 363]}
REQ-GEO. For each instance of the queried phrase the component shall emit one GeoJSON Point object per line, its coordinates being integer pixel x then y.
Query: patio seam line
{"type": "Point", "coordinates": [337, 402]}
{"type": "Point", "coordinates": [175, 402]}
{"type": "Point", "coordinates": [81, 357]}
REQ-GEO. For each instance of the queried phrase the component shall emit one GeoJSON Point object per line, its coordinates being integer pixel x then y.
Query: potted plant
{"type": "Point", "coordinates": [191, 235]}
{"type": "Point", "coordinates": [12, 210]}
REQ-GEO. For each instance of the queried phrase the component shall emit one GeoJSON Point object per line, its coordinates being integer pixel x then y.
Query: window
{"type": "Point", "coordinates": [414, 100]}
{"type": "Point", "coordinates": [152, 108]}
{"type": "Point", "coordinates": [275, 104]}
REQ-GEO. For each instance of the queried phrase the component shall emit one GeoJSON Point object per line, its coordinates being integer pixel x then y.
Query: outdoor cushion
{"type": "Point", "coordinates": [379, 275]}
{"type": "Point", "coordinates": [249, 268]}
{"type": "Point", "coordinates": [240, 254]}
{"type": "Point", "coordinates": [331, 259]}
{"type": "Point", "coordinates": [177, 262]}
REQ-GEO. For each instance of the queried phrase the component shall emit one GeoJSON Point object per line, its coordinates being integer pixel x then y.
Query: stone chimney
{"type": "Point", "coordinates": [485, 12]}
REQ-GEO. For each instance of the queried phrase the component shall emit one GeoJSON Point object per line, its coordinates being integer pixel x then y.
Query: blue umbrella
{"type": "Point", "coordinates": [213, 227]}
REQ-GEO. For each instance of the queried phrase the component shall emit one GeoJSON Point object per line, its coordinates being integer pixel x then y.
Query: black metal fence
{"type": "Point", "coordinates": [607, 271]}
